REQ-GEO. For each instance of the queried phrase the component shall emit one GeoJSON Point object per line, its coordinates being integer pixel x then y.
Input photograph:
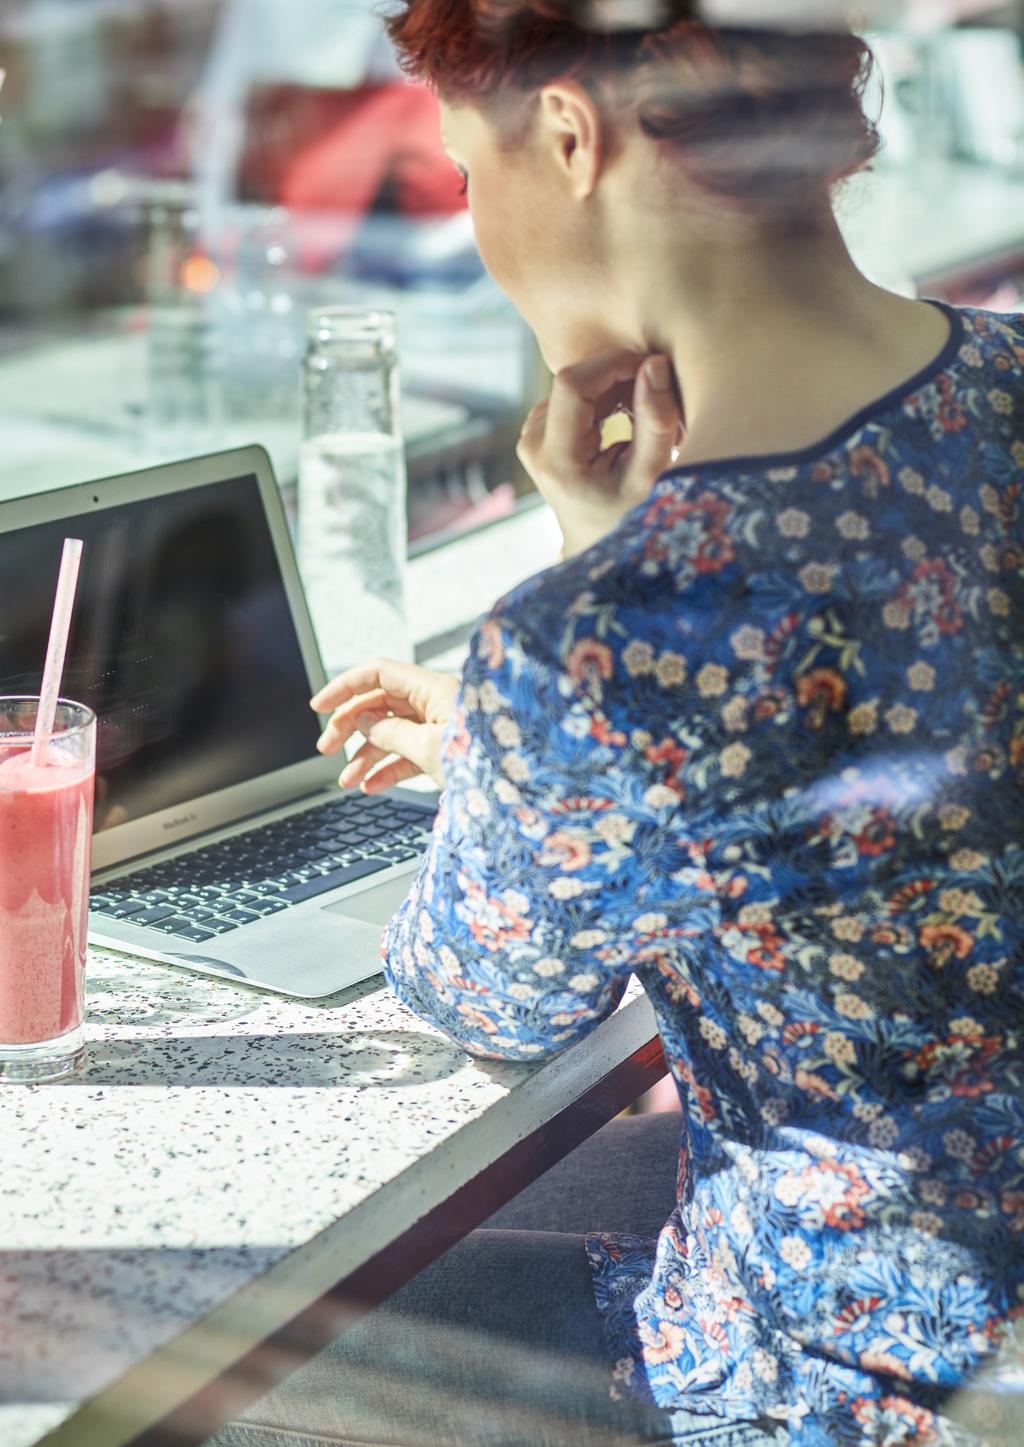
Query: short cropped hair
{"type": "Point", "coordinates": [769, 120]}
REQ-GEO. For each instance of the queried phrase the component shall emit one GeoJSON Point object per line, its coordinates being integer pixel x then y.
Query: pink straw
{"type": "Point", "coordinates": [57, 647]}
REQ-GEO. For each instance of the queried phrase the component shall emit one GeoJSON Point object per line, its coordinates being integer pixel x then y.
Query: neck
{"type": "Point", "coordinates": [776, 340]}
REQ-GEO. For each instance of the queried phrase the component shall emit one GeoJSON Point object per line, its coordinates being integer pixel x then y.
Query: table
{"type": "Point", "coordinates": [229, 1157]}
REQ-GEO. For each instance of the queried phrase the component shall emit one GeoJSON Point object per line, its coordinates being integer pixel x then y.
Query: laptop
{"type": "Point", "coordinates": [223, 843]}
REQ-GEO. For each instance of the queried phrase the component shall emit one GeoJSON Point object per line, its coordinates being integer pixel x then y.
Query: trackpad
{"type": "Point", "coordinates": [375, 906]}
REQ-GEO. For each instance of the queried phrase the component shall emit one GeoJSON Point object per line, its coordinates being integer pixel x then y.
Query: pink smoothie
{"type": "Point", "coordinates": [45, 841]}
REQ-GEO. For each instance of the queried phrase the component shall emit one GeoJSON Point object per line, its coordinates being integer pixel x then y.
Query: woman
{"type": "Point", "coordinates": [757, 739]}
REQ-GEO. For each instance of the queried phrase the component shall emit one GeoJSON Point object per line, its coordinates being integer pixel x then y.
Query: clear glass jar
{"type": "Point", "coordinates": [183, 363]}
{"type": "Point", "coordinates": [352, 531]}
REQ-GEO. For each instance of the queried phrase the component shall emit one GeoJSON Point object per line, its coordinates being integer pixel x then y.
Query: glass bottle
{"type": "Point", "coordinates": [352, 531]}
{"type": "Point", "coordinates": [183, 360]}
{"type": "Point", "coordinates": [263, 328]}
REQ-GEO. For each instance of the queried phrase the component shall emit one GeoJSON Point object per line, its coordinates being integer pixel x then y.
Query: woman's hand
{"type": "Point", "coordinates": [591, 488]}
{"type": "Point", "coordinates": [400, 709]}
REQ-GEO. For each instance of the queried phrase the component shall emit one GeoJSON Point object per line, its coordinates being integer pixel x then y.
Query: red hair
{"type": "Point", "coordinates": [769, 120]}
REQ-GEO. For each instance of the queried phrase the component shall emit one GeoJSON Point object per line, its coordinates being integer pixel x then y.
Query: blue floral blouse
{"type": "Point", "coordinates": [763, 747]}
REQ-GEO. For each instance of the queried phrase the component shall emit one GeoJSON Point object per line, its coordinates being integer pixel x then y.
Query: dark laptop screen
{"type": "Point", "coordinates": [182, 642]}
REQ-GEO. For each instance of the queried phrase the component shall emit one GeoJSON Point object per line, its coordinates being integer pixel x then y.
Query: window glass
{"type": "Point", "coordinates": [181, 180]}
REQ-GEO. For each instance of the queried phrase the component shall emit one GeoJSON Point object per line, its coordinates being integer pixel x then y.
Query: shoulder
{"type": "Point", "coordinates": [680, 539]}
{"type": "Point", "coordinates": [991, 352]}
{"type": "Point", "coordinates": [991, 329]}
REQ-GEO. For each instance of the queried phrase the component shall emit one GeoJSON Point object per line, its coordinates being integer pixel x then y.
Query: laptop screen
{"type": "Point", "coordinates": [183, 643]}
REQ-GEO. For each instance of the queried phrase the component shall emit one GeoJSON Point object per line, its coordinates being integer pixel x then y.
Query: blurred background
{"type": "Point", "coordinates": [180, 180]}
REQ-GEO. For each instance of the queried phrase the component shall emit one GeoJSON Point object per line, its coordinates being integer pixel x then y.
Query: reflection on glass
{"type": "Point", "coordinates": [182, 645]}
{"type": "Point", "coordinates": [179, 185]}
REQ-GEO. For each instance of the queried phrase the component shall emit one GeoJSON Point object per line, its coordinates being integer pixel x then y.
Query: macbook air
{"type": "Point", "coordinates": [223, 842]}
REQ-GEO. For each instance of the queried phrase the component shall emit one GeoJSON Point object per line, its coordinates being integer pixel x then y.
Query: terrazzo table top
{"type": "Point", "coordinates": [226, 1157]}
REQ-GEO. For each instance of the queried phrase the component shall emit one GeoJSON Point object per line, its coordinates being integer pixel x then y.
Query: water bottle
{"type": "Point", "coordinates": [352, 530]}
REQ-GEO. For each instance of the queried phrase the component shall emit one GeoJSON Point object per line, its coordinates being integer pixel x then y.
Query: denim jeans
{"type": "Point", "coordinates": [499, 1343]}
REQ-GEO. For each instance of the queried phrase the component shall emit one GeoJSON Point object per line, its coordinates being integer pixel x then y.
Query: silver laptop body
{"type": "Point", "coordinates": [193, 642]}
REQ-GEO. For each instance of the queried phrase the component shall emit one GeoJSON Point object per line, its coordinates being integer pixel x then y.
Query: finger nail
{"type": "Point", "coordinates": [658, 373]}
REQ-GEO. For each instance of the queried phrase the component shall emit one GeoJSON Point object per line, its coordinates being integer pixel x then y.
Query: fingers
{"type": "Point", "coordinates": [572, 431]}
{"type": "Point", "coordinates": [362, 762]}
{"type": "Point", "coordinates": [562, 436]}
{"type": "Point", "coordinates": [533, 427]}
{"type": "Point", "coordinates": [415, 742]}
{"type": "Point", "coordinates": [406, 680]}
{"type": "Point", "coordinates": [389, 775]}
{"type": "Point", "coordinates": [359, 715]}
{"type": "Point", "coordinates": [373, 768]}
{"type": "Point", "coordinates": [656, 425]}
{"type": "Point", "coordinates": [364, 769]}
{"type": "Point", "coordinates": [531, 441]}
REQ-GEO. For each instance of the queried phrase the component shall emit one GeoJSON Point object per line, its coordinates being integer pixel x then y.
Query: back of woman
{"type": "Point", "coordinates": [773, 725]}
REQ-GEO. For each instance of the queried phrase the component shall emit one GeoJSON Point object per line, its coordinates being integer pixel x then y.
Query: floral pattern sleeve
{"type": "Point", "coordinates": [524, 923]}
{"type": "Point", "coordinates": [763, 747]}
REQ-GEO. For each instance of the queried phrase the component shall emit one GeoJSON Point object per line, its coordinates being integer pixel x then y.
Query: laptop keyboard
{"type": "Point", "coordinates": [238, 881]}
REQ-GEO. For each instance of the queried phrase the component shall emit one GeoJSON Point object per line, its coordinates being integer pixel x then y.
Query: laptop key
{"type": "Point", "coordinates": [263, 907]}
{"type": "Point", "coordinates": [172, 926]}
{"type": "Point", "coordinates": [239, 916]}
{"type": "Point", "coordinates": [124, 910]}
{"type": "Point", "coordinates": [334, 879]}
{"type": "Point", "coordinates": [195, 934]}
{"type": "Point", "coordinates": [153, 916]}
{"type": "Point", "coordinates": [293, 877]}
{"type": "Point", "coordinates": [399, 854]}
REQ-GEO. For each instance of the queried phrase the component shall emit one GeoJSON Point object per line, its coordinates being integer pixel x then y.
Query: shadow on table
{"type": "Point", "coordinates": [357, 1059]}
{"type": "Point", "coordinates": [144, 992]}
{"type": "Point", "coordinates": [75, 1319]}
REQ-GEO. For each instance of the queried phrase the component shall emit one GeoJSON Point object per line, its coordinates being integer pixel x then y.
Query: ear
{"type": "Point", "coordinates": [571, 126]}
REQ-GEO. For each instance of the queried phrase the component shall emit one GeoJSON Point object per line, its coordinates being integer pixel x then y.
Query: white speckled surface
{"type": "Point", "coordinates": [225, 1157]}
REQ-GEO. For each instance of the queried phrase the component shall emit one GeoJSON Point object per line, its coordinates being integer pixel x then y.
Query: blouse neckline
{"type": "Point", "coordinates": [769, 461]}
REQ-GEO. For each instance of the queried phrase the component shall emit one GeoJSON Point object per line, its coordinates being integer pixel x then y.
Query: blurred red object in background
{"type": "Point", "coordinates": [374, 148]}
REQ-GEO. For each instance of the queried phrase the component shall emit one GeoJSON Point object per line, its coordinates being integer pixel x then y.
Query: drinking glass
{"type": "Point", "coordinates": [46, 810]}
